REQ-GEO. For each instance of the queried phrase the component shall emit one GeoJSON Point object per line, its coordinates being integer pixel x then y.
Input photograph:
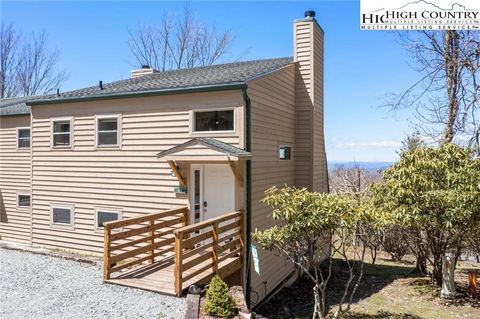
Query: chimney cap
{"type": "Point", "coordinates": [310, 14]}
{"type": "Point", "coordinates": [146, 69]}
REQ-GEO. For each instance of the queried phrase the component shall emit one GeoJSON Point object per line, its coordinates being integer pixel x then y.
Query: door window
{"type": "Point", "coordinates": [196, 195]}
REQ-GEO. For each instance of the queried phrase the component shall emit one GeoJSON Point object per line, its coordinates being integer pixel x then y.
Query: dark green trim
{"type": "Point", "coordinates": [248, 189]}
{"type": "Point", "coordinates": [121, 95]}
{"type": "Point", "coordinates": [310, 19]}
{"type": "Point", "coordinates": [14, 114]}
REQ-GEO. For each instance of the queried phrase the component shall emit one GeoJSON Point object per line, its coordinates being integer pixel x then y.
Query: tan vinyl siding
{"type": "Point", "coordinates": [15, 176]}
{"type": "Point", "coordinates": [303, 51]}
{"type": "Point", "coordinates": [320, 179]}
{"type": "Point", "coordinates": [311, 159]}
{"type": "Point", "coordinates": [273, 124]}
{"type": "Point", "coordinates": [130, 177]}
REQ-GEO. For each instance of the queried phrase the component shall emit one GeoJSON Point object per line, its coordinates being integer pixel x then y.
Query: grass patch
{"type": "Point", "coordinates": [391, 290]}
{"type": "Point", "coordinates": [383, 315]}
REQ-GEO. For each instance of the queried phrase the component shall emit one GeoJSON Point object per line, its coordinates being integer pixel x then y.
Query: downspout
{"type": "Point", "coordinates": [248, 189]}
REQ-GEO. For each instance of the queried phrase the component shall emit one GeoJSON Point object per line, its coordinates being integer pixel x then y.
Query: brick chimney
{"type": "Point", "coordinates": [146, 69]}
{"type": "Point", "coordinates": [310, 159]}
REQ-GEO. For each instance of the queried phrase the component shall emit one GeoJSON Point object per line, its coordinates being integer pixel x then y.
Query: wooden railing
{"type": "Point", "coordinates": [214, 246]}
{"type": "Point", "coordinates": [145, 238]}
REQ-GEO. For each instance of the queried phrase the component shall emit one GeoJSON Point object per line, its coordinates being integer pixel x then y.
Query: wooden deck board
{"type": "Point", "coordinates": [159, 277]}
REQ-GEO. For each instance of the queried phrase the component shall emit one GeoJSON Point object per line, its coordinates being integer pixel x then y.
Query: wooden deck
{"type": "Point", "coordinates": [156, 277]}
{"type": "Point", "coordinates": [162, 254]}
{"type": "Point", "coordinates": [159, 276]}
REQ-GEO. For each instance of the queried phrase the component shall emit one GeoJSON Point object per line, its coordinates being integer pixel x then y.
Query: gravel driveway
{"type": "Point", "coordinates": [37, 286]}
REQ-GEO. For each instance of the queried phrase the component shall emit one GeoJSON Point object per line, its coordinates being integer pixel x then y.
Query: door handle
{"type": "Point", "coordinates": [205, 204]}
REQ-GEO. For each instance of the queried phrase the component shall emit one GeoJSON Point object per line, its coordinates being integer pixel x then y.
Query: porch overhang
{"type": "Point", "coordinates": [204, 150]}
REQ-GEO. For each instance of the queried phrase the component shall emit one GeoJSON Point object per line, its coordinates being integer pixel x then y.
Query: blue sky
{"type": "Point", "coordinates": [361, 67]}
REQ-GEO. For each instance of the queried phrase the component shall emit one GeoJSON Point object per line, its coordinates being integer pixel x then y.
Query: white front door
{"type": "Point", "coordinates": [213, 191]}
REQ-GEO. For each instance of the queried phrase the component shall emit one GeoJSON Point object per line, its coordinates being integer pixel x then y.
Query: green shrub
{"type": "Point", "coordinates": [218, 302]}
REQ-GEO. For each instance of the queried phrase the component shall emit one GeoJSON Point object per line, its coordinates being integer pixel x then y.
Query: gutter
{"type": "Point", "coordinates": [121, 95]}
{"type": "Point", "coordinates": [248, 189]}
{"type": "Point", "coordinates": [14, 114]}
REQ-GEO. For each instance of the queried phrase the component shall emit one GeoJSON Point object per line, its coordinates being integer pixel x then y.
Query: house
{"type": "Point", "coordinates": [168, 167]}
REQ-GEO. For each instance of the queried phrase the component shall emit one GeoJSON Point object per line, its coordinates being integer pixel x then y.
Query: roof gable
{"type": "Point", "coordinates": [204, 149]}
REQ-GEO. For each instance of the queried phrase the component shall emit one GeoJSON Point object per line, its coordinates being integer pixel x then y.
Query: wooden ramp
{"type": "Point", "coordinates": [159, 276]}
{"type": "Point", "coordinates": [160, 253]}
{"type": "Point", "coordinates": [156, 277]}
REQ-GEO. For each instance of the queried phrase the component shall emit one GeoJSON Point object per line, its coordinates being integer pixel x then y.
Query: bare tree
{"type": "Point", "coordinates": [36, 72]}
{"type": "Point", "coordinates": [8, 61]}
{"type": "Point", "coordinates": [412, 142]}
{"type": "Point", "coordinates": [178, 42]}
{"type": "Point", "coordinates": [446, 97]}
{"type": "Point", "coordinates": [28, 66]}
{"type": "Point", "coordinates": [352, 181]}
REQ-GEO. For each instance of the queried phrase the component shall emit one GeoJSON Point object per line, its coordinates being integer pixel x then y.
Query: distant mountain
{"type": "Point", "coordinates": [369, 166]}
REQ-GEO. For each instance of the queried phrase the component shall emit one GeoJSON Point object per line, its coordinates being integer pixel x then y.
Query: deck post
{"type": "Point", "coordinates": [215, 248]}
{"type": "Point", "coordinates": [185, 217]}
{"type": "Point", "coordinates": [185, 223]}
{"type": "Point", "coordinates": [106, 253]}
{"type": "Point", "coordinates": [151, 240]}
{"type": "Point", "coordinates": [178, 263]}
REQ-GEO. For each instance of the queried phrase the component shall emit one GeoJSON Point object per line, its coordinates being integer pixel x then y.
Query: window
{"type": "Point", "coordinates": [196, 195]}
{"type": "Point", "coordinates": [23, 200]}
{"type": "Point", "coordinates": [23, 138]}
{"type": "Point", "coordinates": [104, 216]}
{"type": "Point", "coordinates": [61, 215]}
{"type": "Point", "coordinates": [61, 132]}
{"type": "Point", "coordinates": [214, 121]}
{"type": "Point", "coordinates": [285, 153]}
{"type": "Point", "coordinates": [108, 131]}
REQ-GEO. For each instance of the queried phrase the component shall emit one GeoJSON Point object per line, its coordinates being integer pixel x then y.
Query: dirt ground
{"type": "Point", "coordinates": [388, 290]}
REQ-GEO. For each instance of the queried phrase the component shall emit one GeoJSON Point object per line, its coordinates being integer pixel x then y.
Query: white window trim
{"type": "Point", "coordinates": [71, 207]}
{"type": "Point", "coordinates": [278, 153]}
{"type": "Point", "coordinates": [58, 119]}
{"type": "Point", "coordinates": [117, 211]}
{"type": "Point", "coordinates": [21, 192]}
{"type": "Point", "coordinates": [119, 130]}
{"type": "Point", "coordinates": [24, 148]}
{"type": "Point", "coordinates": [193, 124]}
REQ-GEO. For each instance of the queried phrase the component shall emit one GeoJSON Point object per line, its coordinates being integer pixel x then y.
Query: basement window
{"type": "Point", "coordinates": [214, 121]}
{"type": "Point", "coordinates": [61, 132]}
{"type": "Point", "coordinates": [23, 200]}
{"type": "Point", "coordinates": [23, 138]}
{"type": "Point", "coordinates": [61, 215]}
{"type": "Point", "coordinates": [103, 216]}
{"type": "Point", "coordinates": [285, 153]}
{"type": "Point", "coordinates": [108, 131]}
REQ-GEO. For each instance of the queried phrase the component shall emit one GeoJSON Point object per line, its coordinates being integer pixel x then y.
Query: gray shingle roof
{"type": "Point", "coordinates": [209, 76]}
{"type": "Point", "coordinates": [211, 143]}
{"type": "Point", "coordinates": [17, 105]}
{"type": "Point", "coordinates": [200, 77]}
